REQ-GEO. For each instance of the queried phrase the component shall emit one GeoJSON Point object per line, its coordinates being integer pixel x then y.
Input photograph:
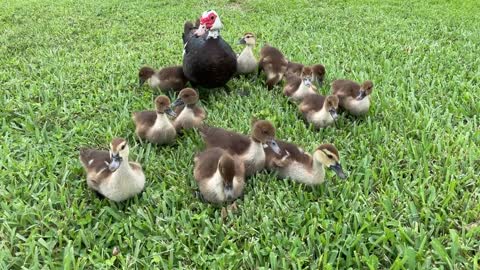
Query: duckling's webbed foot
{"type": "Point", "coordinates": [199, 196]}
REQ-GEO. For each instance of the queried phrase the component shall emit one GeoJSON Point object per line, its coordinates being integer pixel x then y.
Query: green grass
{"type": "Point", "coordinates": [68, 74]}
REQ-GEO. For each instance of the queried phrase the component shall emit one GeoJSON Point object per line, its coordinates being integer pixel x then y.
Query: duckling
{"type": "Point", "coordinates": [354, 98]}
{"type": "Point", "coordinates": [299, 87]}
{"type": "Point", "coordinates": [318, 74]}
{"type": "Point", "coordinates": [189, 115]}
{"type": "Point", "coordinates": [319, 110]}
{"type": "Point", "coordinates": [110, 173]}
{"type": "Point", "coordinates": [294, 68]}
{"type": "Point", "coordinates": [168, 78]}
{"type": "Point", "coordinates": [273, 63]}
{"type": "Point", "coordinates": [250, 150]}
{"type": "Point", "coordinates": [154, 126]}
{"type": "Point", "coordinates": [220, 176]}
{"type": "Point", "coordinates": [246, 61]}
{"type": "Point", "coordinates": [302, 167]}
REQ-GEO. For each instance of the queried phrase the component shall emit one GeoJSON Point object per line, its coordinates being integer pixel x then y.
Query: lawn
{"type": "Point", "coordinates": [412, 199]}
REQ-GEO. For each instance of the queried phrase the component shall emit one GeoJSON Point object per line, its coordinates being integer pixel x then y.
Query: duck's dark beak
{"type": "Point", "coordinates": [337, 168]}
{"type": "Point", "coordinates": [178, 102]}
{"type": "Point", "coordinates": [170, 112]}
{"type": "Point", "coordinates": [274, 145]}
{"type": "Point", "coordinates": [141, 81]}
{"type": "Point", "coordinates": [115, 162]}
{"type": "Point", "coordinates": [361, 95]}
{"type": "Point", "coordinates": [333, 113]}
{"type": "Point", "coordinates": [242, 41]}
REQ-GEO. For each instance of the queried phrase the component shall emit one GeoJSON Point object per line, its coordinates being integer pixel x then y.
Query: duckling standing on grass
{"type": "Point", "coordinates": [220, 176]}
{"type": "Point", "coordinates": [189, 114]}
{"type": "Point", "coordinates": [353, 97]}
{"type": "Point", "coordinates": [154, 126]}
{"type": "Point", "coordinates": [304, 168]}
{"type": "Point", "coordinates": [319, 110]}
{"type": "Point", "coordinates": [273, 63]}
{"type": "Point", "coordinates": [296, 87]}
{"type": "Point", "coordinates": [110, 173]}
{"type": "Point", "coordinates": [250, 150]}
{"type": "Point", "coordinates": [246, 61]}
{"type": "Point", "coordinates": [168, 78]}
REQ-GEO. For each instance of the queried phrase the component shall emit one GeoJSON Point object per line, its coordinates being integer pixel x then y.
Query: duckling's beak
{"type": "Point", "coordinates": [178, 102]}
{"type": "Point", "coordinates": [274, 145]}
{"type": "Point", "coordinates": [333, 113]}
{"type": "Point", "coordinates": [228, 190]}
{"type": "Point", "coordinates": [242, 41]}
{"type": "Point", "coordinates": [170, 112]}
{"type": "Point", "coordinates": [115, 163]}
{"type": "Point", "coordinates": [361, 95]}
{"type": "Point", "coordinates": [307, 82]}
{"type": "Point", "coordinates": [141, 81]}
{"type": "Point", "coordinates": [337, 168]}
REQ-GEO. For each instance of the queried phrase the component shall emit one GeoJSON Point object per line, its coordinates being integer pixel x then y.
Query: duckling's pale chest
{"type": "Point", "coordinates": [246, 62]}
{"type": "Point", "coordinates": [254, 158]}
{"type": "Point", "coordinates": [320, 118]}
{"type": "Point", "coordinates": [124, 183]}
{"type": "Point", "coordinates": [186, 118]}
{"type": "Point", "coordinates": [162, 131]}
{"type": "Point", "coordinates": [301, 92]}
{"type": "Point", "coordinates": [357, 107]}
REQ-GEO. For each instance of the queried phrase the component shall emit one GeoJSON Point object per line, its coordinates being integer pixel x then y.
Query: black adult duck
{"type": "Point", "coordinates": [208, 61]}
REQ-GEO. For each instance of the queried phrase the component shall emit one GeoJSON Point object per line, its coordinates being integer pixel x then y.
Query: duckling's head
{"type": "Point", "coordinates": [264, 132]}
{"type": "Point", "coordinates": [248, 39]}
{"type": "Point", "coordinates": [162, 104]}
{"type": "Point", "coordinates": [226, 166]}
{"type": "Point", "coordinates": [187, 96]}
{"type": "Point", "coordinates": [118, 152]}
{"type": "Point", "coordinates": [331, 105]}
{"type": "Point", "coordinates": [145, 74]}
{"type": "Point", "coordinates": [327, 154]}
{"type": "Point", "coordinates": [307, 75]}
{"type": "Point", "coordinates": [365, 89]}
{"type": "Point", "coordinates": [208, 21]}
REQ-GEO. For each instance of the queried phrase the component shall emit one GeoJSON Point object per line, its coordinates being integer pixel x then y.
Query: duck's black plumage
{"type": "Point", "coordinates": [208, 63]}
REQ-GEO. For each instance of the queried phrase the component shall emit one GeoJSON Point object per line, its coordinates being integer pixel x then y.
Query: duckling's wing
{"type": "Point", "coordinates": [145, 118]}
{"type": "Point", "coordinates": [345, 88]}
{"type": "Point", "coordinates": [312, 102]}
{"type": "Point", "coordinates": [94, 160]}
{"type": "Point", "coordinates": [206, 163]}
{"type": "Point", "coordinates": [233, 142]}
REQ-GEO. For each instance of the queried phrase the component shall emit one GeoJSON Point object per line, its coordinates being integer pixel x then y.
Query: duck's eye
{"type": "Point", "coordinates": [329, 156]}
{"type": "Point", "coordinates": [212, 17]}
{"type": "Point", "coordinates": [123, 147]}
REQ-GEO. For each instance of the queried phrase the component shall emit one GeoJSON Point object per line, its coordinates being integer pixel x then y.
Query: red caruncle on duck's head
{"type": "Point", "coordinates": [208, 18]}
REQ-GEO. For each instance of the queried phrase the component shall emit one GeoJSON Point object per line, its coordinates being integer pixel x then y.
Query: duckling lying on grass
{"type": "Point", "coordinates": [110, 173]}
{"type": "Point", "coordinates": [302, 167]}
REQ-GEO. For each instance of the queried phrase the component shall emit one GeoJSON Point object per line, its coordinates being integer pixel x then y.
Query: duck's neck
{"type": "Point", "coordinates": [318, 171]}
{"type": "Point", "coordinates": [213, 33]}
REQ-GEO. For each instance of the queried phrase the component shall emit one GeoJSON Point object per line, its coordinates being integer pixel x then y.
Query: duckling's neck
{"type": "Point", "coordinates": [124, 167]}
{"type": "Point", "coordinates": [318, 171]}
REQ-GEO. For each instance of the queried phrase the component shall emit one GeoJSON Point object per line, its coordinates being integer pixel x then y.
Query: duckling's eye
{"type": "Point", "coordinates": [329, 156]}
{"type": "Point", "coordinates": [123, 147]}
